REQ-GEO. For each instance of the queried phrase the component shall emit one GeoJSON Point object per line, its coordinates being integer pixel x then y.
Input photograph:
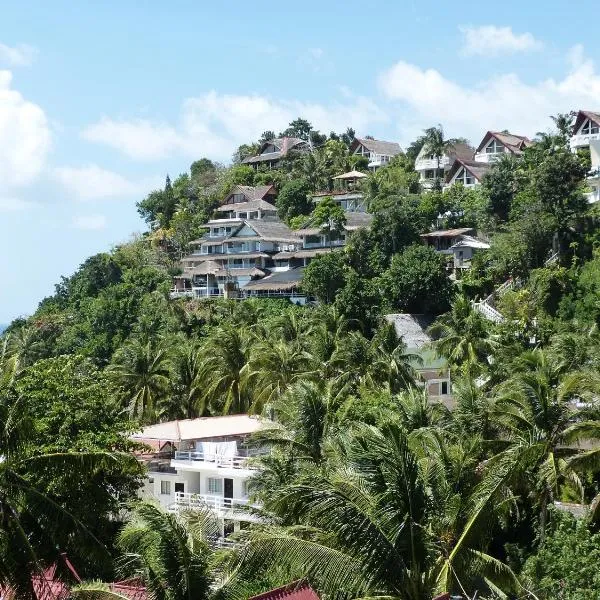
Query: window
{"type": "Point", "coordinates": [179, 487]}
{"type": "Point", "coordinates": [215, 486]}
{"type": "Point", "coordinates": [494, 147]}
{"type": "Point", "coordinates": [590, 128]}
{"type": "Point", "coordinates": [244, 489]}
{"type": "Point", "coordinates": [444, 387]}
{"type": "Point", "coordinates": [237, 198]}
{"type": "Point", "coordinates": [150, 479]}
{"type": "Point", "coordinates": [165, 488]}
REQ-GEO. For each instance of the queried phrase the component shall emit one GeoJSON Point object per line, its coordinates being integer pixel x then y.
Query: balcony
{"type": "Point", "coordinates": [427, 164]}
{"type": "Point", "coordinates": [240, 508]}
{"type": "Point", "coordinates": [580, 141]}
{"type": "Point", "coordinates": [181, 294]}
{"type": "Point", "coordinates": [227, 462]}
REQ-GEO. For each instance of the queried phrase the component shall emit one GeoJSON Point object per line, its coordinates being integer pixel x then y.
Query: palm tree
{"type": "Point", "coordinates": [462, 336]}
{"type": "Point", "coordinates": [143, 370]}
{"type": "Point", "coordinates": [438, 146]}
{"type": "Point", "coordinates": [187, 401]}
{"type": "Point", "coordinates": [225, 370]}
{"type": "Point", "coordinates": [539, 412]}
{"type": "Point", "coordinates": [31, 522]}
{"type": "Point", "coordinates": [168, 553]}
{"type": "Point", "coordinates": [388, 520]}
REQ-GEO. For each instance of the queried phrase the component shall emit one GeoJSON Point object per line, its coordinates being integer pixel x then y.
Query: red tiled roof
{"type": "Point", "coordinates": [298, 590]}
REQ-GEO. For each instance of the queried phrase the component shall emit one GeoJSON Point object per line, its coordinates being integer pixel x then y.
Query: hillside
{"type": "Point", "coordinates": [374, 486]}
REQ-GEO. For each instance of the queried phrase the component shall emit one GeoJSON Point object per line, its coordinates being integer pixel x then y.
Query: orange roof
{"type": "Point", "coordinates": [298, 590]}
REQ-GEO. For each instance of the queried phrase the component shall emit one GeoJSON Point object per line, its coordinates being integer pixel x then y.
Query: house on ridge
{"type": "Point", "coordinates": [378, 152]}
{"type": "Point", "coordinates": [426, 164]}
{"type": "Point", "coordinates": [586, 134]}
{"type": "Point", "coordinates": [272, 151]}
{"type": "Point", "coordinates": [496, 143]}
{"type": "Point", "coordinates": [469, 173]}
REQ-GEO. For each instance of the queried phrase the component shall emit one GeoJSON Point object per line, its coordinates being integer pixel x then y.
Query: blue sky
{"type": "Point", "coordinates": [98, 101]}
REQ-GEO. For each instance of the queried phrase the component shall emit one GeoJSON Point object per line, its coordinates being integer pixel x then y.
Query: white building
{"type": "Point", "coordinates": [199, 463]}
{"type": "Point", "coordinates": [585, 129]}
{"type": "Point", "coordinates": [586, 134]}
{"type": "Point", "coordinates": [469, 173]}
{"type": "Point", "coordinates": [496, 143]}
{"type": "Point", "coordinates": [432, 168]}
{"type": "Point", "coordinates": [378, 152]}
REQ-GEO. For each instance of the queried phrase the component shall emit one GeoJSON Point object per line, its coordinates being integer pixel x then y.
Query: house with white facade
{"type": "Point", "coordinates": [463, 252]}
{"type": "Point", "coordinates": [347, 191]}
{"type": "Point", "coordinates": [272, 151]}
{"type": "Point", "coordinates": [432, 168]}
{"type": "Point", "coordinates": [378, 152]}
{"type": "Point", "coordinates": [469, 173]}
{"type": "Point", "coordinates": [497, 143]}
{"type": "Point", "coordinates": [586, 134]}
{"type": "Point", "coordinates": [203, 463]}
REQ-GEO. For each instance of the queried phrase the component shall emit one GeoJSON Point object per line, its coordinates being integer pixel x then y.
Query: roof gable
{"type": "Point", "coordinates": [376, 146]}
{"type": "Point", "coordinates": [582, 117]}
{"type": "Point", "coordinates": [476, 169]}
{"type": "Point", "coordinates": [246, 230]}
{"type": "Point", "coordinates": [514, 143]}
{"type": "Point", "coordinates": [250, 192]}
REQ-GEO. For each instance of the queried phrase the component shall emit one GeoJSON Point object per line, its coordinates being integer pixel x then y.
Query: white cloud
{"type": "Point", "coordinates": [92, 182]}
{"type": "Point", "coordinates": [11, 204]}
{"type": "Point", "coordinates": [24, 136]}
{"type": "Point", "coordinates": [215, 124]}
{"type": "Point", "coordinates": [501, 102]}
{"type": "Point", "coordinates": [20, 55]}
{"type": "Point", "coordinates": [89, 222]}
{"type": "Point", "coordinates": [489, 40]}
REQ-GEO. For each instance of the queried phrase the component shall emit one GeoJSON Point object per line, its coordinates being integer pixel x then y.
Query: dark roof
{"type": "Point", "coordinates": [283, 145]}
{"type": "Point", "coordinates": [515, 143]}
{"type": "Point", "coordinates": [477, 169]}
{"type": "Point", "coordinates": [253, 272]}
{"type": "Point", "coordinates": [463, 151]}
{"type": "Point", "coordinates": [377, 146]}
{"type": "Point", "coordinates": [582, 115]}
{"type": "Point", "coordinates": [282, 280]}
{"type": "Point", "coordinates": [298, 590]}
{"type": "Point", "coordinates": [448, 233]}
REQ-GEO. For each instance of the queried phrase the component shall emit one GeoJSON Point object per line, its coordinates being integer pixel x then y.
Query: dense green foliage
{"type": "Point", "coordinates": [372, 489]}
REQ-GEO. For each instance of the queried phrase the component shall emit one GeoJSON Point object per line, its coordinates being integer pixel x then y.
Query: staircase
{"type": "Point", "coordinates": [486, 307]}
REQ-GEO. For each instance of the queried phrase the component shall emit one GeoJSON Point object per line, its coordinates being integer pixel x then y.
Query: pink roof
{"type": "Point", "coordinates": [298, 590]}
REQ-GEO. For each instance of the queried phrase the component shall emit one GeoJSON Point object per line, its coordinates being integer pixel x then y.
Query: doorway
{"type": "Point", "coordinates": [227, 491]}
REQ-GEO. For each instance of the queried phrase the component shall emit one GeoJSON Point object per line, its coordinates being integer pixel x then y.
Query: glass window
{"type": "Point", "coordinates": [215, 486]}
{"type": "Point", "coordinates": [244, 488]}
{"type": "Point", "coordinates": [444, 388]}
{"type": "Point", "coordinates": [494, 147]}
{"type": "Point", "coordinates": [165, 488]}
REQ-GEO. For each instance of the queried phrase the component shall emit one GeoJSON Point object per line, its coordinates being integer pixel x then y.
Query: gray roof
{"type": "Point", "coordinates": [477, 169]}
{"type": "Point", "coordinates": [251, 205]}
{"type": "Point", "coordinates": [411, 328]}
{"type": "Point", "coordinates": [582, 115]}
{"type": "Point", "coordinates": [283, 145]}
{"type": "Point", "coordinates": [515, 143]}
{"type": "Point", "coordinates": [282, 280]}
{"type": "Point", "coordinates": [272, 230]}
{"type": "Point", "coordinates": [379, 146]}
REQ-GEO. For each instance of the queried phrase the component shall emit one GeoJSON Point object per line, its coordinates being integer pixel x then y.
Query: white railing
{"type": "Point", "coordinates": [584, 139]}
{"type": "Point", "coordinates": [231, 462]}
{"type": "Point", "coordinates": [551, 260]}
{"type": "Point", "coordinates": [488, 312]}
{"type": "Point", "coordinates": [423, 164]}
{"type": "Point", "coordinates": [206, 292]}
{"type": "Point", "coordinates": [181, 294]}
{"type": "Point", "coordinates": [190, 500]}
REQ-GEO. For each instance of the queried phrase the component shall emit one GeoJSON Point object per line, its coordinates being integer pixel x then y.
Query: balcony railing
{"type": "Point", "coordinates": [228, 462]}
{"type": "Point", "coordinates": [577, 141]}
{"type": "Point", "coordinates": [219, 503]}
{"type": "Point", "coordinates": [181, 294]}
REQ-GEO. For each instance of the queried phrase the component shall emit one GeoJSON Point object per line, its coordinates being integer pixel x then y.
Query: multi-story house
{"type": "Point", "coordinates": [271, 152]}
{"type": "Point", "coordinates": [496, 143]}
{"type": "Point", "coordinates": [202, 463]}
{"type": "Point", "coordinates": [586, 134]}
{"type": "Point", "coordinates": [585, 129]}
{"type": "Point", "coordinates": [378, 152]}
{"type": "Point", "coordinates": [432, 168]}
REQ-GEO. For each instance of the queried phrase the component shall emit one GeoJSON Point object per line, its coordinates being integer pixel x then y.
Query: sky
{"type": "Point", "coordinates": [100, 100]}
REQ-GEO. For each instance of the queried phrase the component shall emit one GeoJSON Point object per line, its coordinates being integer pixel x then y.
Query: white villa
{"type": "Point", "coordinates": [378, 152]}
{"type": "Point", "coordinates": [470, 170]}
{"type": "Point", "coordinates": [202, 463]}
{"type": "Point", "coordinates": [586, 134]}
{"type": "Point", "coordinates": [432, 168]}
{"type": "Point", "coordinates": [346, 191]}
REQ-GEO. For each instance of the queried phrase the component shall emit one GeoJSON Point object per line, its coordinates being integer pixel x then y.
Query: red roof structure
{"type": "Point", "coordinates": [297, 590]}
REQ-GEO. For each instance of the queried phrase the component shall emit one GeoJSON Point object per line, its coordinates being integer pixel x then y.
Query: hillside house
{"type": "Point", "coordinates": [271, 152]}
{"type": "Point", "coordinates": [433, 371]}
{"type": "Point", "coordinates": [585, 129]}
{"type": "Point", "coordinates": [432, 168]}
{"type": "Point", "coordinates": [469, 173]}
{"type": "Point", "coordinates": [202, 463]}
{"type": "Point", "coordinates": [463, 252]}
{"type": "Point", "coordinates": [443, 240]}
{"type": "Point", "coordinates": [497, 143]}
{"type": "Point", "coordinates": [378, 152]}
